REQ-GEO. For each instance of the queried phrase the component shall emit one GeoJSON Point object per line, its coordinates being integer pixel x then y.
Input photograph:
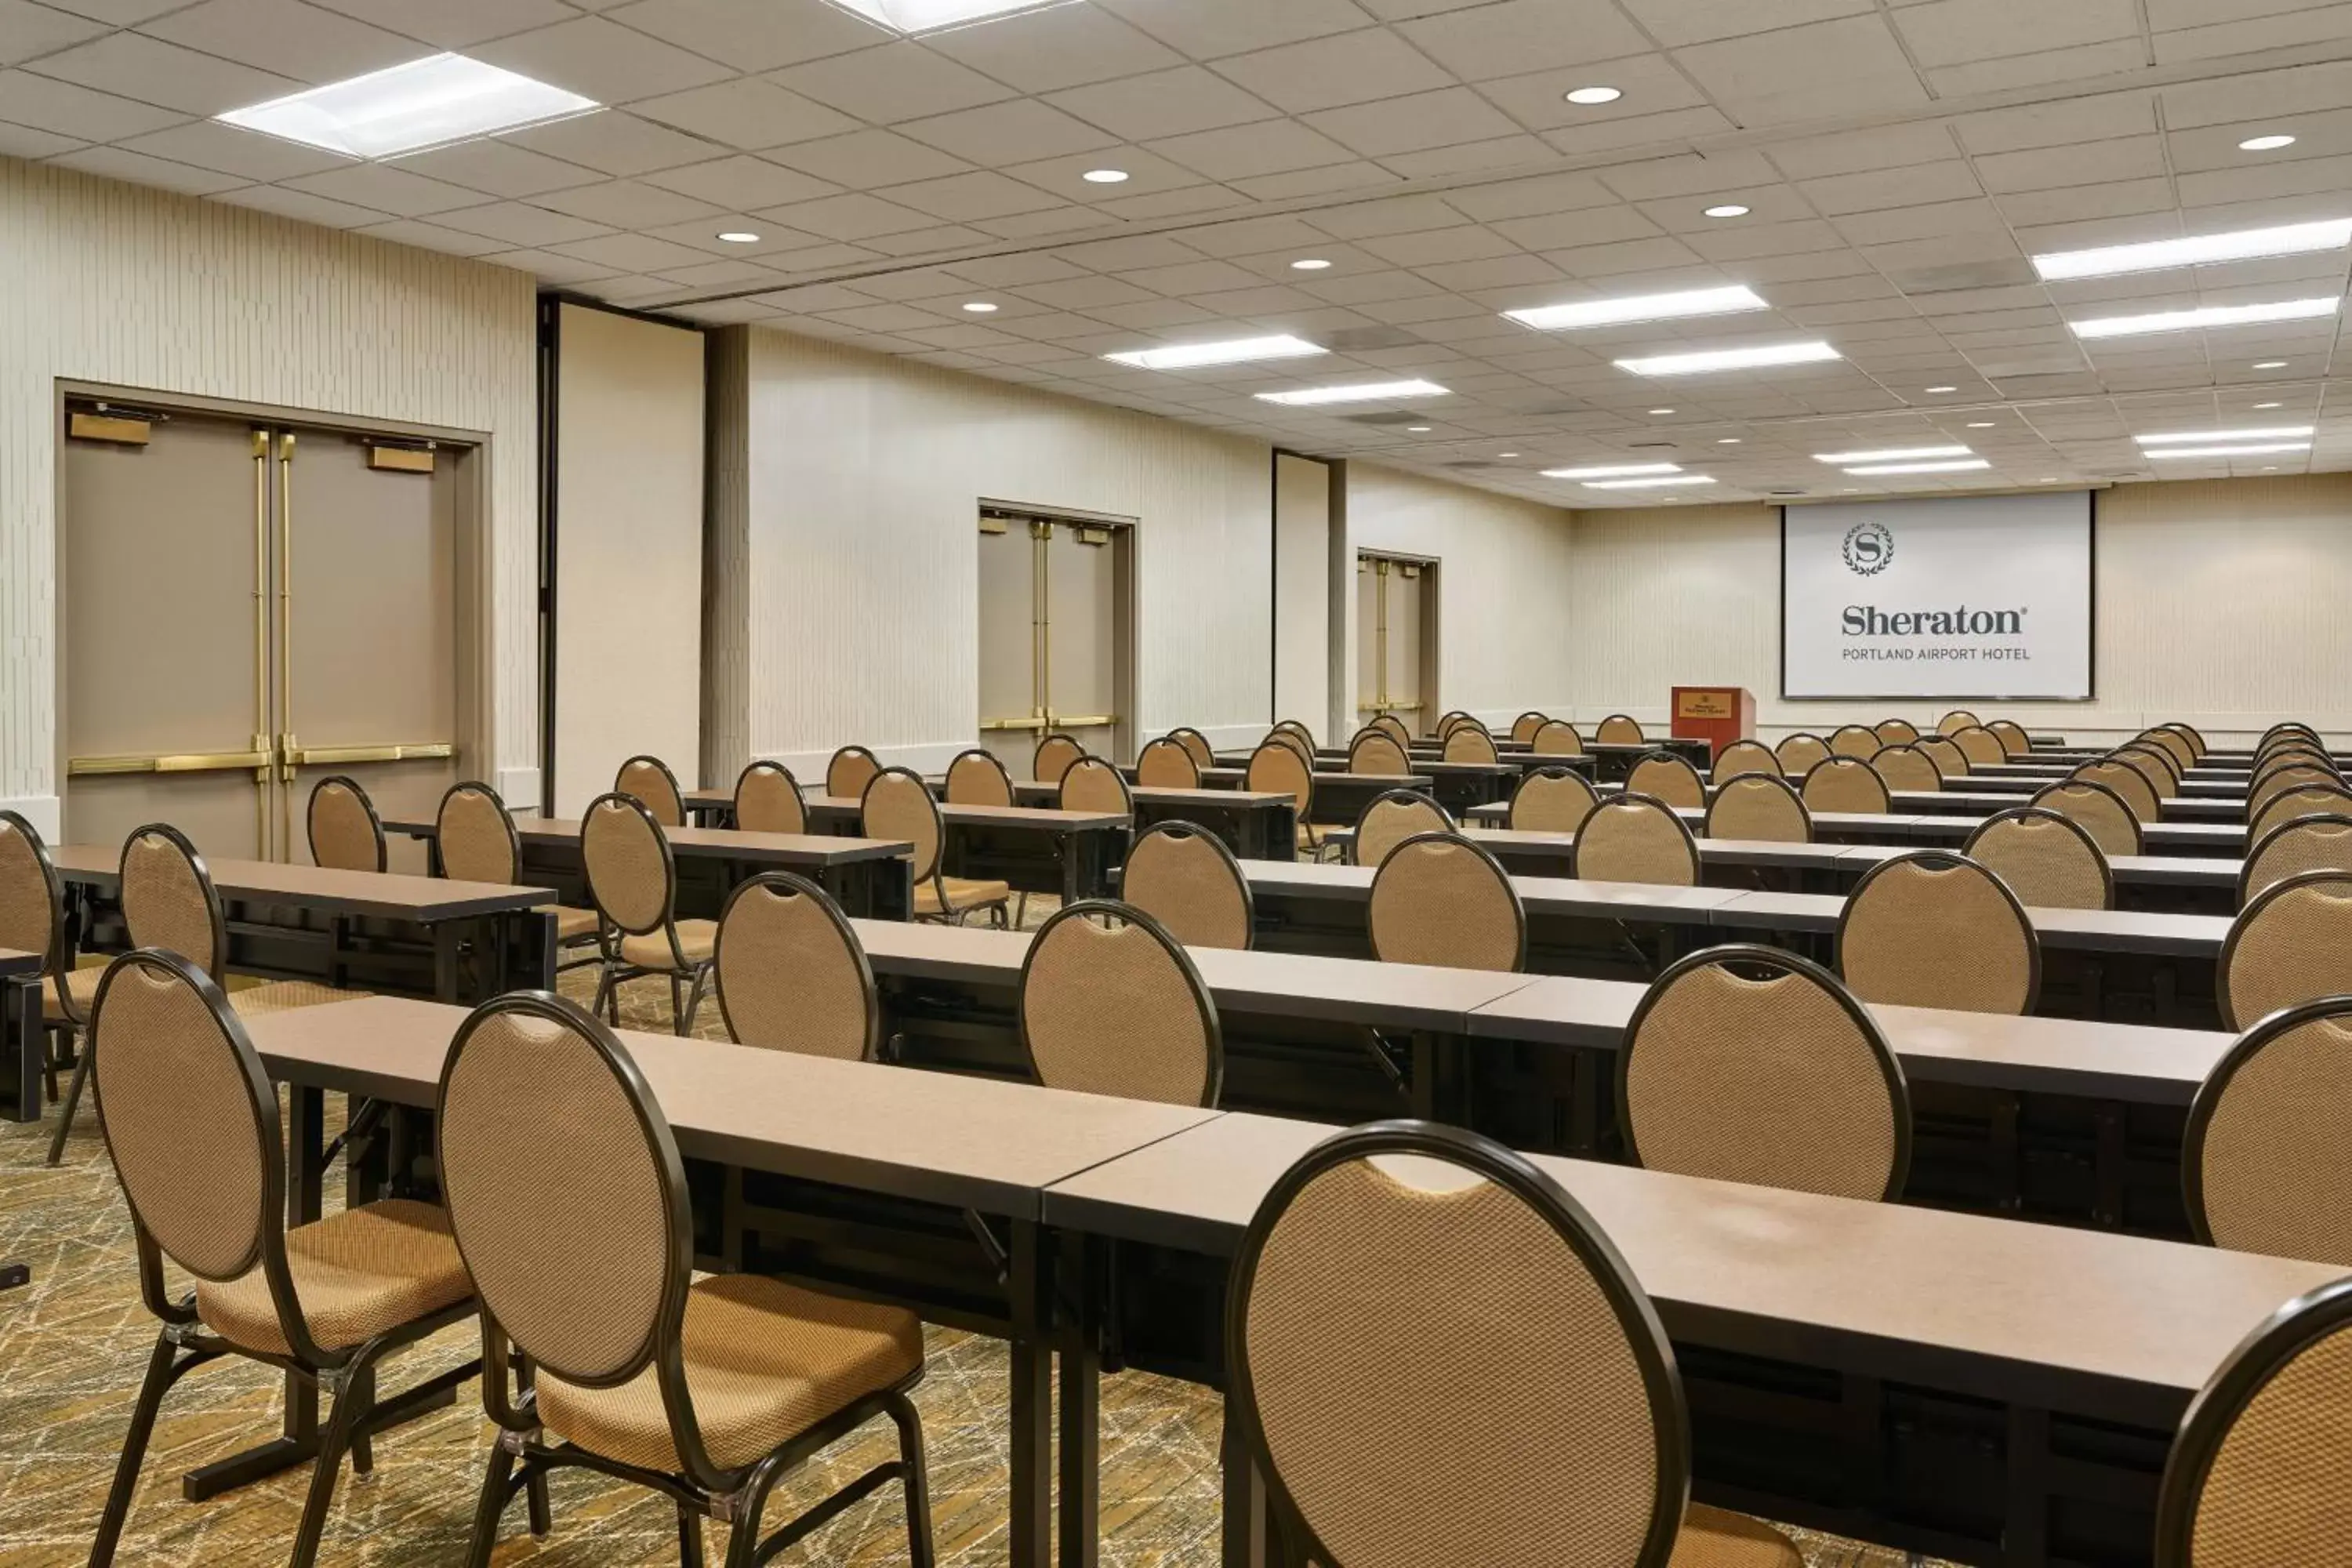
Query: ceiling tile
{"type": "Point", "coordinates": [62, 108]}
{"type": "Point", "coordinates": [1164, 104]}
{"type": "Point", "coordinates": [631, 253]}
{"type": "Point", "coordinates": [1951, 32]}
{"type": "Point", "coordinates": [156, 72]}
{"type": "Point", "coordinates": [1205, 29]}
{"type": "Point", "coordinates": [1066, 176]}
{"type": "Point", "coordinates": [746, 113]}
{"type": "Point", "coordinates": [2086, 63]}
{"type": "Point", "coordinates": [1440, 118]}
{"type": "Point", "coordinates": [24, 141]}
{"type": "Point", "coordinates": [454, 24]}
{"type": "Point", "coordinates": [118, 13]}
{"type": "Point", "coordinates": [499, 168]}
{"type": "Point", "coordinates": [979, 195]}
{"type": "Point", "coordinates": [1352, 68]}
{"type": "Point", "coordinates": [386, 189]}
{"type": "Point", "coordinates": [1060, 46]}
{"type": "Point", "coordinates": [601, 59]}
{"type": "Point", "coordinates": [744, 182]}
{"type": "Point", "coordinates": [1538, 100]}
{"type": "Point", "coordinates": [897, 81]}
{"type": "Point", "coordinates": [1791, 75]}
{"type": "Point", "coordinates": [517, 223]}
{"type": "Point", "coordinates": [432, 237]}
{"type": "Point", "coordinates": [616, 144]}
{"type": "Point", "coordinates": [1514, 36]}
{"type": "Point", "coordinates": [2102, 118]}
{"type": "Point", "coordinates": [1677, 22]}
{"type": "Point", "coordinates": [851, 216]}
{"type": "Point", "coordinates": [1023, 131]}
{"type": "Point", "coordinates": [865, 159]}
{"type": "Point", "coordinates": [752, 35]}
{"type": "Point", "coordinates": [302, 207]}
{"type": "Point", "coordinates": [626, 204]}
{"type": "Point", "coordinates": [27, 29]}
{"type": "Point", "coordinates": [549, 266]}
{"type": "Point", "coordinates": [1244, 150]}
{"type": "Point", "coordinates": [301, 41]}
{"type": "Point", "coordinates": [120, 164]}
{"type": "Point", "coordinates": [209, 144]}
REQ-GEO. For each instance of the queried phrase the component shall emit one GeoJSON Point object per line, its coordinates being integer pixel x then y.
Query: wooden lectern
{"type": "Point", "coordinates": [1716, 714]}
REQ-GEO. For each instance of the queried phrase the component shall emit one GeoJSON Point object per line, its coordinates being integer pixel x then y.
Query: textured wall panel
{"type": "Point", "coordinates": [138, 288]}
{"type": "Point", "coordinates": [2219, 602]}
{"type": "Point", "coordinates": [726, 562]}
{"type": "Point", "coordinates": [866, 474]}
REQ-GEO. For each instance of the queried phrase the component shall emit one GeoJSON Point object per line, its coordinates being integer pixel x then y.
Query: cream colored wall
{"type": "Point", "coordinates": [1506, 642]}
{"type": "Point", "coordinates": [136, 288]}
{"type": "Point", "coordinates": [1302, 586]}
{"type": "Point", "coordinates": [863, 480]}
{"type": "Point", "coordinates": [2220, 603]}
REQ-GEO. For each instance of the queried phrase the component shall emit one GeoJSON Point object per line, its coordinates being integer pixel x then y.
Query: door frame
{"type": "Point", "coordinates": [470, 455]}
{"type": "Point", "coordinates": [1430, 676]}
{"type": "Point", "coordinates": [1127, 582]}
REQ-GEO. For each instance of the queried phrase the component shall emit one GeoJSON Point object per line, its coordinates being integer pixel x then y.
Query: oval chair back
{"type": "Point", "coordinates": [345, 833]}
{"type": "Point", "coordinates": [2127, 782]}
{"type": "Point", "coordinates": [631, 876]}
{"type": "Point", "coordinates": [1951, 761]}
{"type": "Point", "coordinates": [1670, 778]}
{"type": "Point", "coordinates": [2098, 811]}
{"type": "Point", "coordinates": [1855, 741]}
{"type": "Point", "coordinates": [1524, 727]}
{"type": "Point", "coordinates": [1744, 757]}
{"type": "Point", "coordinates": [1800, 753]}
{"type": "Point", "coordinates": [1376, 752]}
{"type": "Point", "coordinates": [475, 838]}
{"type": "Point", "coordinates": [848, 773]}
{"type": "Point", "coordinates": [1619, 729]}
{"type": "Point", "coordinates": [1196, 744]}
{"type": "Point", "coordinates": [792, 974]}
{"type": "Point", "coordinates": [1390, 818]}
{"type": "Point", "coordinates": [2267, 787]}
{"type": "Point", "coordinates": [1896, 731]}
{"type": "Point", "coordinates": [1111, 1004]}
{"type": "Point", "coordinates": [2014, 741]}
{"type": "Point", "coordinates": [32, 899]}
{"type": "Point", "coordinates": [1439, 900]}
{"type": "Point", "coordinates": [2294, 804]}
{"type": "Point", "coordinates": [1558, 738]}
{"type": "Point", "coordinates": [2261, 1163]}
{"type": "Point", "coordinates": [1551, 800]}
{"type": "Point", "coordinates": [168, 901]}
{"type": "Point", "coordinates": [1635, 838]}
{"type": "Point", "coordinates": [1980, 746]}
{"type": "Point", "coordinates": [1182, 876]}
{"type": "Point", "coordinates": [1053, 757]}
{"type": "Point", "coordinates": [1277, 769]}
{"type": "Point", "coordinates": [1848, 785]}
{"type": "Point", "coordinates": [2049, 860]}
{"type": "Point", "coordinates": [1908, 768]}
{"type": "Point", "coordinates": [977, 778]}
{"type": "Point", "coordinates": [1750, 1064]}
{"type": "Point", "coordinates": [650, 781]}
{"type": "Point", "coordinates": [2293, 847]}
{"type": "Point", "coordinates": [1394, 728]}
{"type": "Point", "coordinates": [768, 800]}
{"type": "Point", "coordinates": [1932, 928]}
{"type": "Point", "coordinates": [1165, 764]}
{"type": "Point", "coordinates": [2291, 944]}
{"type": "Point", "coordinates": [1957, 719]}
{"type": "Point", "coordinates": [1470, 743]}
{"type": "Point", "coordinates": [2175, 745]}
{"type": "Point", "coordinates": [2155, 764]}
{"type": "Point", "coordinates": [897, 805]}
{"type": "Point", "coordinates": [1092, 784]}
{"type": "Point", "coordinates": [1759, 806]}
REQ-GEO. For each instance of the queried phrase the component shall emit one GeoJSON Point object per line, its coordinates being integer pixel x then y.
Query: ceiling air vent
{"type": "Point", "coordinates": [1386, 418]}
{"type": "Point", "coordinates": [1475, 463]}
{"type": "Point", "coordinates": [1355, 339]}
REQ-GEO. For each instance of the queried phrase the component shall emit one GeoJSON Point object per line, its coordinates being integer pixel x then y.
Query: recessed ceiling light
{"type": "Point", "coordinates": [1727, 440]}
{"type": "Point", "coordinates": [1612, 472]}
{"type": "Point", "coordinates": [2208, 316]}
{"type": "Point", "coordinates": [1892, 454]}
{"type": "Point", "coordinates": [1728, 209]}
{"type": "Point", "coordinates": [980, 308]}
{"type": "Point", "coordinates": [430, 102]}
{"type": "Point", "coordinates": [1105, 176]}
{"type": "Point", "coordinates": [2261, 406]}
{"type": "Point", "coordinates": [1589, 95]}
{"type": "Point", "coordinates": [2201, 250]}
{"type": "Point", "coordinates": [1956, 466]}
{"type": "Point", "coordinates": [923, 16]}
{"type": "Point", "coordinates": [2257, 449]}
{"type": "Point", "coordinates": [1661, 411]}
{"type": "Point", "coordinates": [2265, 143]}
{"type": "Point", "coordinates": [1981, 424]}
{"type": "Point", "coordinates": [1418, 429]}
{"type": "Point", "coordinates": [1935, 390]}
{"type": "Point", "coordinates": [2195, 437]}
{"type": "Point", "coordinates": [1507, 454]}
{"type": "Point", "coordinates": [1358, 391]}
{"type": "Point", "coordinates": [1729, 359]}
{"type": "Point", "coordinates": [1649, 484]}
{"type": "Point", "coordinates": [1238, 350]}
{"type": "Point", "coordinates": [739, 236]}
{"type": "Point", "coordinates": [1311, 264]}
{"type": "Point", "coordinates": [2270, 364]}
{"type": "Point", "coordinates": [1639, 308]}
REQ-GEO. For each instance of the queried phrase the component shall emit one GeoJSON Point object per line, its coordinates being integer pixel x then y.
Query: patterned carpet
{"type": "Point", "coordinates": [74, 1343]}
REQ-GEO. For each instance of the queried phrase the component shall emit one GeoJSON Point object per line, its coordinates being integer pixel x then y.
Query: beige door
{"type": "Point", "coordinates": [247, 609]}
{"type": "Point", "coordinates": [1054, 651]}
{"type": "Point", "coordinates": [1393, 597]}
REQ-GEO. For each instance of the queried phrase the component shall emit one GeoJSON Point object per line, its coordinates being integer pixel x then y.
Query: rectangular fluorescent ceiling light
{"type": "Point", "coordinates": [1649, 484]}
{"type": "Point", "coordinates": [1362, 392]}
{"type": "Point", "coordinates": [927, 15]}
{"type": "Point", "coordinates": [2259, 449]}
{"type": "Point", "coordinates": [1612, 472]}
{"type": "Point", "coordinates": [1238, 351]}
{"type": "Point", "coordinates": [1892, 454]}
{"type": "Point", "coordinates": [2191, 438]}
{"type": "Point", "coordinates": [1730, 359]}
{"type": "Point", "coordinates": [430, 102]}
{"type": "Point", "coordinates": [1639, 308]}
{"type": "Point", "coordinates": [2209, 316]}
{"type": "Point", "coordinates": [1960, 467]}
{"type": "Point", "coordinates": [2204, 250]}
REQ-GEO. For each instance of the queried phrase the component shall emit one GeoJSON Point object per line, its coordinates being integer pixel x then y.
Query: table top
{"type": "Point", "coordinates": [384, 895]}
{"type": "Point", "coordinates": [1038, 818]}
{"type": "Point", "coordinates": [1541, 895]}
{"type": "Point", "coordinates": [1162, 794]}
{"type": "Point", "coordinates": [711, 843]}
{"type": "Point", "coordinates": [1909, 829]}
{"type": "Point", "coordinates": [2047, 1316]}
{"type": "Point", "coordinates": [2087, 930]}
{"type": "Point", "coordinates": [973, 1143]}
{"type": "Point", "coordinates": [1236, 777]}
{"type": "Point", "coordinates": [13, 964]}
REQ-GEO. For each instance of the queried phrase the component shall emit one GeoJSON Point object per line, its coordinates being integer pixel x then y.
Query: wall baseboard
{"type": "Point", "coordinates": [45, 812]}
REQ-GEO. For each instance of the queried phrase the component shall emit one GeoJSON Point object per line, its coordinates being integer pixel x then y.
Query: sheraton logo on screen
{"type": "Point", "coordinates": [1870, 621]}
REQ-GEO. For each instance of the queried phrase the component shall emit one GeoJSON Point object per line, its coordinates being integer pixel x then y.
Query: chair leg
{"type": "Point", "coordinates": [689, 1538]}
{"type": "Point", "coordinates": [66, 1111]}
{"type": "Point", "coordinates": [332, 1443]}
{"type": "Point", "coordinates": [694, 1000]}
{"type": "Point", "coordinates": [488, 1507]}
{"type": "Point", "coordinates": [676, 1004]}
{"type": "Point", "coordinates": [362, 1392]}
{"type": "Point", "coordinates": [920, 1552]}
{"type": "Point", "coordinates": [604, 989]}
{"type": "Point", "coordinates": [1021, 913]}
{"type": "Point", "coordinates": [542, 1518]}
{"type": "Point", "coordinates": [135, 1452]}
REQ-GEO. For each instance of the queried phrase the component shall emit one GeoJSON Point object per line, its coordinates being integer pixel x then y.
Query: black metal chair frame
{"type": "Point", "coordinates": [618, 971]}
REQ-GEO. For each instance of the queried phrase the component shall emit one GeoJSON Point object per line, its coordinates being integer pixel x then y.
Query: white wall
{"type": "Point", "coordinates": [137, 288]}
{"type": "Point", "coordinates": [1302, 587]}
{"type": "Point", "coordinates": [1507, 640]}
{"type": "Point", "coordinates": [2220, 603]}
{"type": "Point", "coordinates": [860, 545]}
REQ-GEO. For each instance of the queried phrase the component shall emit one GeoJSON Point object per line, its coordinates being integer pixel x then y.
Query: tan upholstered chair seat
{"type": "Point", "coordinates": [697, 939]}
{"type": "Point", "coordinates": [962, 893]}
{"type": "Point", "coordinates": [82, 983]}
{"type": "Point", "coordinates": [765, 1361]}
{"type": "Point", "coordinates": [571, 923]}
{"type": "Point", "coordinates": [356, 1273]}
{"type": "Point", "coordinates": [1711, 1538]}
{"type": "Point", "coordinates": [284, 997]}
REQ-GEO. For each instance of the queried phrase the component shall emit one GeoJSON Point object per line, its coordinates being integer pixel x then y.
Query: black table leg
{"type": "Point", "coordinates": [1246, 1520]}
{"type": "Point", "coordinates": [22, 1041]}
{"type": "Point", "coordinates": [1031, 1398]}
{"type": "Point", "coordinates": [1081, 1453]}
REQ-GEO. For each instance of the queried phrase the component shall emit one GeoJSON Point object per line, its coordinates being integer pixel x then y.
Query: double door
{"type": "Point", "coordinates": [1394, 598]}
{"type": "Point", "coordinates": [1054, 641]}
{"type": "Point", "coordinates": [250, 607]}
